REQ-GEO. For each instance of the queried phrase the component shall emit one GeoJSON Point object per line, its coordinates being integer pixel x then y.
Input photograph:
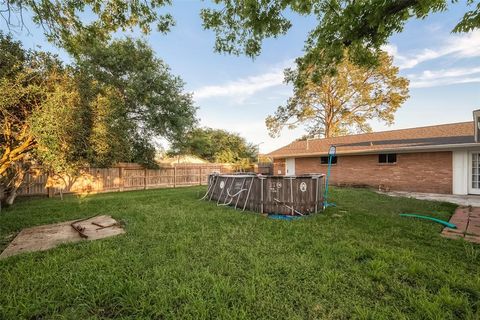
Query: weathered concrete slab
{"type": "Point", "coordinates": [49, 236]}
{"type": "Point", "coordinates": [468, 200]}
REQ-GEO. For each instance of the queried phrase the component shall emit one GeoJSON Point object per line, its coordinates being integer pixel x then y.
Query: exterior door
{"type": "Point", "coordinates": [290, 162]}
{"type": "Point", "coordinates": [474, 173]}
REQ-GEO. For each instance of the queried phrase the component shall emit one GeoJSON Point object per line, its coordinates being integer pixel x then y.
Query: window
{"type": "Point", "coordinates": [324, 160]}
{"type": "Point", "coordinates": [387, 158]}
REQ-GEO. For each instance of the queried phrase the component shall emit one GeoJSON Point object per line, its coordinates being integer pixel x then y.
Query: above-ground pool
{"type": "Point", "coordinates": [290, 195]}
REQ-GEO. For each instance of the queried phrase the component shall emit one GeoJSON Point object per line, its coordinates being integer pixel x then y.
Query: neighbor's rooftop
{"type": "Point", "coordinates": [422, 138]}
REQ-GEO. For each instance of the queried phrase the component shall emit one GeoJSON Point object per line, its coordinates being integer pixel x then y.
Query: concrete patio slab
{"type": "Point", "coordinates": [467, 200]}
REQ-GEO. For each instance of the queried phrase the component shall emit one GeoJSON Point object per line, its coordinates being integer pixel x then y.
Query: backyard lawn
{"type": "Point", "coordinates": [184, 258]}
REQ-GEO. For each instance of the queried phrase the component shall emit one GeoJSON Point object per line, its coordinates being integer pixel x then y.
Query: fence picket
{"type": "Point", "coordinates": [124, 177]}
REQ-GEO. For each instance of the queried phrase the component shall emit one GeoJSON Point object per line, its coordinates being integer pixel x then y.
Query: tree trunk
{"type": "Point", "coordinates": [17, 175]}
{"type": "Point", "coordinates": [10, 198]}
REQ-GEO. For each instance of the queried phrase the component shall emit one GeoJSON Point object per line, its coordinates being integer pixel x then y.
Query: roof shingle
{"type": "Point", "coordinates": [427, 137]}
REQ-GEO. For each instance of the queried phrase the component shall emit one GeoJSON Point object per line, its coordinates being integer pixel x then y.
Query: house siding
{"type": "Point", "coordinates": [460, 172]}
{"type": "Point", "coordinates": [416, 172]}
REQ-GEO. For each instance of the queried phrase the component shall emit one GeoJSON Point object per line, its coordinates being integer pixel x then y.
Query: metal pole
{"type": "Point", "coordinates": [258, 152]}
{"type": "Point", "coordinates": [261, 194]}
{"type": "Point", "coordinates": [325, 203]}
{"type": "Point", "coordinates": [291, 195]}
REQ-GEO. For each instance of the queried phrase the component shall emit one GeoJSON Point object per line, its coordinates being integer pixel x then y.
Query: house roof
{"type": "Point", "coordinates": [421, 138]}
{"type": "Point", "coordinates": [183, 159]}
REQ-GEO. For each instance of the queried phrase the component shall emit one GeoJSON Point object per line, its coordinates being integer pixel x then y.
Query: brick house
{"type": "Point", "coordinates": [437, 159]}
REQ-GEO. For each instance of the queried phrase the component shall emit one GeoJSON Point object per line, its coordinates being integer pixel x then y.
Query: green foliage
{"type": "Point", "coordinates": [41, 116]}
{"type": "Point", "coordinates": [107, 107]}
{"type": "Point", "coordinates": [342, 103]}
{"type": "Point", "coordinates": [215, 145]}
{"type": "Point", "coordinates": [187, 259]}
{"type": "Point", "coordinates": [25, 84]}
{"type": "Point", "coordinates": [109, 138]}
{"type": "Point", "coordinates": [143, 151]}
{"type": "Point", "coordinates": [64, 22]}
{"type": "Point", "coordinates": [151, 98]}
{"type": "Point", "coordinates": [241, 26]}
{"type": "Point", "coordinates": [471, 19]}
{"type": "Point", "coordinates": [362, 27]}
{"type": "Point", "coordinates": [12, 56]}
{"type": "Point", "coordinates": [59, 125]}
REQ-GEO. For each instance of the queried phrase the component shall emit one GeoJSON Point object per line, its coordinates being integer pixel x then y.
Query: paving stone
{"type": "Point", "coordinates": [474, 239]}
{"type": "Point", "coordinates": [452, 236]}
{"type": "Point", "coordinates": [467, 221]}
{"type": "Point", "coordinates": [452, 231]}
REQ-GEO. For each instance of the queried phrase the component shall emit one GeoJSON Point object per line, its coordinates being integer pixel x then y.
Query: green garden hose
{"type": "Point", "coordinates": [445, 223]}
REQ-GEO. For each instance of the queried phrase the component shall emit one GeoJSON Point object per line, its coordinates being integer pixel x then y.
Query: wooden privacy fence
{"type": "Point", "coordinates": [123, 177]}
{"type": "Point", "coordinates": [265, 168]}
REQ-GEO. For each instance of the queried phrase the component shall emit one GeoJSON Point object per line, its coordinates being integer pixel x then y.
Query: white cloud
{"type": "Point", "coordinates": [244, 87]}
{"type": "Point", "coordinates": [459, 46]}
{"type": "Point", "coordinates": [241, 87]}
{"type": "Point", "coordinates": [433, 78]}
{"type": "Point", "coordinates": [444, 73]}
{"type": "Point", "coordinates": [443, 82]}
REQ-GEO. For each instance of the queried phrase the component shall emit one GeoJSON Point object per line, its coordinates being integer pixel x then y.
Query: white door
{"type": "Point", "coordinates": [474, 173]}
{"type": "Point", "coordinates": [290, 167]}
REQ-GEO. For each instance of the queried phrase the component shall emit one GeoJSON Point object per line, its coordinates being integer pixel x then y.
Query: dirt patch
{"type": "Point", "coordinates": [51, 235]}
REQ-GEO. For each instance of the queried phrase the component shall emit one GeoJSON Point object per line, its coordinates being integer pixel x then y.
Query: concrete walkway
{"type": "Point", "coordinates": [469, 200]}
{"type": "Point", "coordinates": [467, 220]}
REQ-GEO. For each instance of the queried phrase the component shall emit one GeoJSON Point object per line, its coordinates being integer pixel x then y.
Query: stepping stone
{"type": "Point", "coordinates": [467, 220]}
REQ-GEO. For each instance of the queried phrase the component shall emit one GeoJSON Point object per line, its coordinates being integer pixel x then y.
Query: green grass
{"type": "Point", "coordinates": [184, 258]}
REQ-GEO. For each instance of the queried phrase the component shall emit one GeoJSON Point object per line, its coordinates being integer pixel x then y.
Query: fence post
{"type": "Point", "coordinates": [174, 176]}
{"type": "Point", "coordinates": [120, 178]}
{"type": "Point", "coordinates": [200, 176]}
{"type": "Point", "coordinates": [50, 191]}
{"type": "Point", "coordinates": [145, 173]}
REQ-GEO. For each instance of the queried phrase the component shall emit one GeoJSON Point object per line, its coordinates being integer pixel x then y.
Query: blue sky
{"type": "Point", "coordinates": [237, 93]}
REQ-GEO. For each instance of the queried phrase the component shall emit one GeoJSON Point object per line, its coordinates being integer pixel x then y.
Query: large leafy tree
{"type": "Point", "coordinates": [214, 145]}
{"type": "Point", "coordinates": [342, 103]}
{"type": "Point", "coordinates": [149, 100]}
{"type": "Point", "coordinates": [362, 27]}
{"type": "Point", "coordinates": [106, 108]}
{"type": "Point", "coordinates": [37, 91]}
{"type": "Point", "coordinates": [14, 141]}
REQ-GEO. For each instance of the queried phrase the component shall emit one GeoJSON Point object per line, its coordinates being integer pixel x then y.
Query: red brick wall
{"type": "Point", "coordinates": [418, 172]}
